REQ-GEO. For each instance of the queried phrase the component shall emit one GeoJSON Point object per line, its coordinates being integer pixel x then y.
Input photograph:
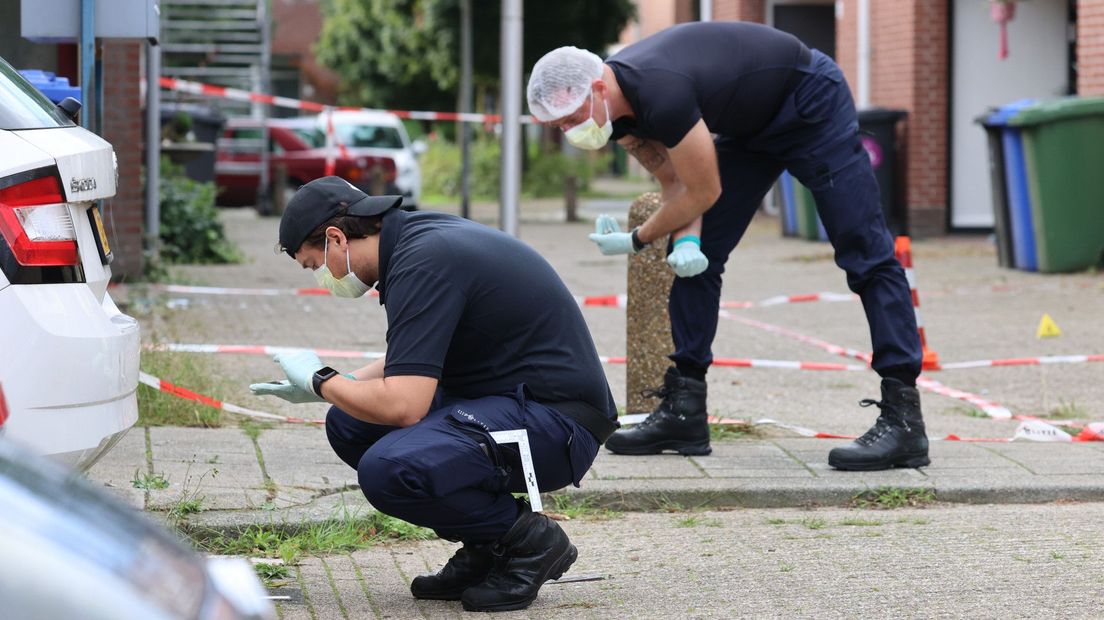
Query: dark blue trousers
{"type": "Point", "coordinates": [446, 473]}
{"type": "Point", "coordinates": [816, 137]}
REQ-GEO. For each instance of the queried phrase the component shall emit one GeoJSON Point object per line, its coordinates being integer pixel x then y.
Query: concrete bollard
{"type": "Point", "coordinates": [647, 326]}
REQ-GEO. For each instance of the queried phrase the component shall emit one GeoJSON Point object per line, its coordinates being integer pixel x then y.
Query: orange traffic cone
{"type": "Point", "coordinates": [903, 250]}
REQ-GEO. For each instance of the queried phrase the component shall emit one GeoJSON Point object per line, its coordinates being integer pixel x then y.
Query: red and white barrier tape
{"type": "Point", "coordinates": [989, 408]}
{"type": "Point", "coordinates": [251, 349]}
{"type": "Point", "coordinates": [1024, 361]}
{"type": "Point", "coordinates": [170, 388]}
{"type": "Point", "coordinates": [618, 300]}
{"type": "Point", "coordinates": [1032, 430]}
{"type": "Point", "coordinates": [223, 92]}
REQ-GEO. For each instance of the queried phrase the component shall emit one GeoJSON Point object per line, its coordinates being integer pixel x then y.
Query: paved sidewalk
{"type": "Point", "coordinates": [972, 309]}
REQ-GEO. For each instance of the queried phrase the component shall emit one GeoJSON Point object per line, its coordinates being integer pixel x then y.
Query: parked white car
{"type": "Point", "coordinates": [70, 358]}
{"type": "Point", "coordinates": [378, 134]}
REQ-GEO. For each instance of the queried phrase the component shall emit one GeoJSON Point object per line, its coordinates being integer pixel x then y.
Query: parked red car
{"type": "Point", "coordinates": [300, 150]}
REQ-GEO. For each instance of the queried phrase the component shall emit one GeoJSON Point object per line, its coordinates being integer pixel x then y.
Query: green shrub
{"type": "Point", "coordinates": [545, 175]}
{"type": "Point", "coordinates": [190, 228]}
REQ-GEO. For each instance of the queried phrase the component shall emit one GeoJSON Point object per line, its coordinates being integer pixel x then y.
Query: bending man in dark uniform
{"type": "Point", "coordinates": [482, 336]}
{"type": "Point", "coordinates": [716, 111]}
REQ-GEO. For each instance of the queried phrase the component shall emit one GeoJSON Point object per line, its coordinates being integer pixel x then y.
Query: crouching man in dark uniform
{"type": "Point", "coordinates": [482, 336]}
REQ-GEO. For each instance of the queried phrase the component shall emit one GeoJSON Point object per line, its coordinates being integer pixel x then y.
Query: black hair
{"type": "Point", "coordinates": [354, 227]}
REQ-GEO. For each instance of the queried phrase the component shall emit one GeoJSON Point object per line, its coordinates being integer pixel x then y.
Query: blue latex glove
{"type": "Point", "coordinates": [300, 368]}
{"type": "Point", "coordinates": [285, 390]}
{"type": "Point", "coordinates": [687, 258]}
{"type": "Point", "coordinates": [611, 241]}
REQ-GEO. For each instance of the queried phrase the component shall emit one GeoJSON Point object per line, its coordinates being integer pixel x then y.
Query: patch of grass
{"type": "Point", "coordinates": [252, 428]}
{"type": "Point", "coordinates": [346, 533]}
{"type": "Point", "coordinates": [810, 258]}
{"type": "Point", "coordinates": [814, 523]}
{"type": "Point", "coordinates": [861, 522]}
{"type": "Point", "coordinates": [695, 521]}
{"type": "Point", "coordinates": [968, 411]}
{"type": "Point", "coordinates": [272, 574]}
{"type": "Point", "coordinates": [186, 507]}
{"type": "Point", "coordinates": [568, 507]}
{"type": "Point", "coordinates": [191, 372]}
{"type": "Point", "coordinates": [785, 568]}
{"type": "Point", "coordinates": [1067, 411]}
{"type": "Point", "coordinates": [776, 521]}
{"type": "Point", "coordinates": [719, 432]}
{"type": "Point", "coordinates": [914, 521]}
{"type": "Point", "coordinates": [885, 498]}
{"type": "Point", "coordinates": [149, 482]}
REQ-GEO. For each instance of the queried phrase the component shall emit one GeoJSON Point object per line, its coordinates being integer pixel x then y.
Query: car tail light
{"type": "Point", "coordinates": [3, 407]}
{"type": "Point", "coordinates": [36, 223]}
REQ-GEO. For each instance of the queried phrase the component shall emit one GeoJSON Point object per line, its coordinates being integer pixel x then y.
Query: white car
{"type": "Point", "coordinates": [378, 134]}
{"type": "Point", "coordinates": [70, 358]}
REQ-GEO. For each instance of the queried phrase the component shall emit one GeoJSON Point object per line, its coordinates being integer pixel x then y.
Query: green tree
{"type": "Point", "coordinates": [406, 53]}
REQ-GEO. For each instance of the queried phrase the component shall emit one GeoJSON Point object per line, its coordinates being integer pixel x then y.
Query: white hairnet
{"type": "Point", "coordinates": [560, 82]}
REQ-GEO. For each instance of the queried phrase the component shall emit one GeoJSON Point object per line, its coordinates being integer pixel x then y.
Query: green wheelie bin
{"type": "Point", "coordinates": [1063, 143]}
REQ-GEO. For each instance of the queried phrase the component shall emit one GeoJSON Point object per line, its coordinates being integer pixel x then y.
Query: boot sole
{"type": "Point", "coordinates": [558, 569]}
{"type": "Point", "coordinates": [911, 461]}
{"type": "Point", "coordinates": [684, 448]}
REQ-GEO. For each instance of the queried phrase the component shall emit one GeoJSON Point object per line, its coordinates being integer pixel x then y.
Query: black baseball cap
{"type": "Point", "coordinates": [321, 200]}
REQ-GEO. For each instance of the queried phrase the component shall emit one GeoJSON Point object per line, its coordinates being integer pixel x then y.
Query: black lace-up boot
{"type": "Point", "coordinates": [897, 439]}
{"type": "Point", "coordinates": [468, 566]}
{"type": "Point", "coordinates": [679, 423]}
{"type": "Point", "coordinates": [532, 552]}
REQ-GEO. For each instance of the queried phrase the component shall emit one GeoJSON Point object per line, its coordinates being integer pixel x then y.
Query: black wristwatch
{"type": "Point", "coordinates": [321, 376]}
{"type": "Point", "coordinates": [636, 242]}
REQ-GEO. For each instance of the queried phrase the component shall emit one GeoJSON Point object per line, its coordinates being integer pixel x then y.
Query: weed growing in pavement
{"type": "Point", "coordinates": [861, 522]}
{"type": "Point", "coordinates": [743, 430]}
{"type": "Point", "coordinates": [191, 372]}
{"type": "Point", "coordinates": [970, 412]}
{"type": "Point", "coordinates": [1057, 556]}
{"type": "Point", "coordinates": [149, 482]}
{"type": "Point", "coordinates": [785, 568]}
{"type": "Point", "coordinates": [776, 521]}
{"type": "Point", "coordinates": [1067, 411]}
{"type": "Point", "coordinates": [695, 521]}
{"type": "Point", "coordinates": [568, 506]}
{"type": "Point", "coordinates": [272, 574]}
{"type": "Point", "coordinates": [346, 533]}
{"type": "Point", "coordinates": [885, 498]}
{"type": "Point", "coordinates": [814, 523]}
{"type": "Point", "coordinates": [252, 428]}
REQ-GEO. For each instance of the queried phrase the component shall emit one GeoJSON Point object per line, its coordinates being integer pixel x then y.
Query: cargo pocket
{"type": "Point", "coordinates": [478, 432]}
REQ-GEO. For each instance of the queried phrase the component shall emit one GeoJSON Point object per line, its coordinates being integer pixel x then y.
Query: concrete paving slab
{"type": "Point", "coordinates": [302, 458]}
{"type": "Point", "coordinates": [180, 444]}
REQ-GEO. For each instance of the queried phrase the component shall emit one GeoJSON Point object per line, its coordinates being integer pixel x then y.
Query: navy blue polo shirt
{"type": "Point", "coordinates": [483, 313]}
{"type": "Point", "coordinates": [734, 75]}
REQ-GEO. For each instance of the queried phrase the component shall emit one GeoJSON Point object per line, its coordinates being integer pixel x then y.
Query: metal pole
{"type": "Point", "coordinates": [153, 150]}
{"type": "Point", "coordinates": [465, 105]}
{"type": "Point", "coordinates": [87, 51]}
{"type": "Point", "coordinates": [264, 188]}
{"type": "Point", "coordinates": [510, 184]}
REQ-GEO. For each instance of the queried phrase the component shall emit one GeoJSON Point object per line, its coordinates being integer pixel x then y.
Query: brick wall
{"type": "Point", "coordinates": [122, 127]}
{"type": "Point", "coordinates": [1090, 47]}
{"type": "Point", "coordinates": [740, 10]}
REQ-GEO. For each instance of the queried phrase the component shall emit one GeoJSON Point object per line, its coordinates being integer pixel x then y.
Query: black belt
{"type": "Point", "coordinates": [797, 73]}
{"type": "Point", "coordinates": [599, 424]}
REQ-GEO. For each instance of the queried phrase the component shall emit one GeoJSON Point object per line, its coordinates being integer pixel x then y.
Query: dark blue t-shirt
{"type": "Point", "coordinates": [735, 75]}
{"type": "Point", "coordinates": [483, 313]}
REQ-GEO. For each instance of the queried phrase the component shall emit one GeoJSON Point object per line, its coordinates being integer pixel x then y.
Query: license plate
{"type": "Point", "coordinates": [101, 234]}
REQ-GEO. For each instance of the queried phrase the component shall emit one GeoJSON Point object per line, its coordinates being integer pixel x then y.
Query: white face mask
{"type": "Point", "coordinates": [587, 135]}
{"type": "Point", "coordinates": [349, 286]}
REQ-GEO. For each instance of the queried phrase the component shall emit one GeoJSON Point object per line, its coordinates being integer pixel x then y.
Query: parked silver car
{"type": "Point", "coordinates": [71, 551]}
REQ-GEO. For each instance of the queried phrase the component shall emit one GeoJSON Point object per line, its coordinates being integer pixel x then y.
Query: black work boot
{"type": "Point", "coordinates": [897, 439]}
{"type": "Point", "coordinates": [679, 423]}
{"type": "Point", "coordinates": [532, 552]}
{"type": "Point", "coordinates": [467, 567]}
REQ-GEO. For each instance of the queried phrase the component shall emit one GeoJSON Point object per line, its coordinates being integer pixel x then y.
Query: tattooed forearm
{"type": "Point", "coordinates": [647, 154]}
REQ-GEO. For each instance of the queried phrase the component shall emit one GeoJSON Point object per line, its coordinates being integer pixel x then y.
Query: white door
{"type": "Point", "coordinates": [1036, 67]}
